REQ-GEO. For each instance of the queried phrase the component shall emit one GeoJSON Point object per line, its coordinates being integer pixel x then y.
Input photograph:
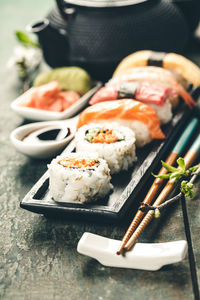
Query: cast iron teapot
{"type": "Point", "coordinates": [98, 34]}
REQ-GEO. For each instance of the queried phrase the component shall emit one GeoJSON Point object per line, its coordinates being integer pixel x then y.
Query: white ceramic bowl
{"type": "Point", "coordinates": [45, 115]}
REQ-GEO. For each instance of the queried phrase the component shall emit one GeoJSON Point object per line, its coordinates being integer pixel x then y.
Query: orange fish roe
{"type": "Point", "coordinates": [105, 136]}
{"type": "Point", "coordinates": [78, 163]}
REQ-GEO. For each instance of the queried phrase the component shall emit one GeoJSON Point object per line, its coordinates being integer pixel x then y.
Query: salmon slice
{"type": "Point", "coordinates": [123, 110]}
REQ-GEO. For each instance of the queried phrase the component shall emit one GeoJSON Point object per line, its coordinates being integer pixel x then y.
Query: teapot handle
{"type": "Point", "coordinates": [66, 12]}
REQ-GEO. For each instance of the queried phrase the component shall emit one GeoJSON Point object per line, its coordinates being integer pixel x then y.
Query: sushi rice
{"type": "Point", "coordinates": [164, 111]}
{"type": "Point", "coordinates": [114, 143]}
{"type": "Point", "coordinates": [140, 130]}
{"type": "Point", "coordinates": [78, 177]}
{"type": "Point", "coordinates": [139, 117]}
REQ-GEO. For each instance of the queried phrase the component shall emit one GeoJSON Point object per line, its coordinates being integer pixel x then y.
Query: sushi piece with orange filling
{"type": "Point", "coordinates": [138, 116]}
{"type": "Point", "coordinates": [79, 177]}
{"type": "Point", "coordinates": [115, 144]}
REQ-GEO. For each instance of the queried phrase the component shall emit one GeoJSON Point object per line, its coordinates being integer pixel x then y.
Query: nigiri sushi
{"type": "Point", "coordinates": [153, 74]}
{"type": "Point", "coordinates": [172, 61]}
{"type": "Point", "coordinates": [156, 95]}
{"type": "Point", "coordinates": [141, 118]}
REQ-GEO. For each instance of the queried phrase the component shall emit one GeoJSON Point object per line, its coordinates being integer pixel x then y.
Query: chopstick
{"type": "Point", "coordinates": [176, 151]}
{"type": "Point", "coordinates": [189, 158]}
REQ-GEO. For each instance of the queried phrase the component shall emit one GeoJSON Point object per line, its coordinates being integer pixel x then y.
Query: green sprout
{"type": "Point", "coordinates": [26, 58]}
{"type": "Point", "coordinates": [25, 40]}
{"type": "Point", "coordinates": [157, 213]}
{"type": "Point", "coordinates": [177, 173]}
{"type": "Point", "coordinates": [187, 188]}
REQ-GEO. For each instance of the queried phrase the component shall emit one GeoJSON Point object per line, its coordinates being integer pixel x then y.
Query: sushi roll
{"type": "Point", "coordinates": [115, 144]}
{"type": "Point", "coordinates": [78, 177]}
{"type": "Point", "coordinates": [139, 117]}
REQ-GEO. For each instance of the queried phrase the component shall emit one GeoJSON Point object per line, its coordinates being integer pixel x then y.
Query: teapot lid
{"type": "Point", "coordinates": [104, 3]}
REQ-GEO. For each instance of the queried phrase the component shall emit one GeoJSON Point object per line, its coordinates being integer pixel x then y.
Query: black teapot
{"type": "Point", "coordinates": [98, 34]}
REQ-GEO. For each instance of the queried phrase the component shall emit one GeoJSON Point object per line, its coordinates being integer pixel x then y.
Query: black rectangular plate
{"type": "Point", "coordinates": [126, 184]}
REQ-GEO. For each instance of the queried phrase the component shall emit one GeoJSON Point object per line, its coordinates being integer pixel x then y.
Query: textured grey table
{"type": "Point", "coordinates": [38, 257]}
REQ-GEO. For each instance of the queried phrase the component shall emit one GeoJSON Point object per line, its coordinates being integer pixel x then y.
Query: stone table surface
{"type": "Point", "coordinates": [38, 257]}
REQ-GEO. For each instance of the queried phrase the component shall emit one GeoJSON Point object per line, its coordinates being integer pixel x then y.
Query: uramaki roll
{"type": "Point", "coordinates": [114, 143]}
{"type": "Point", "coordinates": [78, 177]}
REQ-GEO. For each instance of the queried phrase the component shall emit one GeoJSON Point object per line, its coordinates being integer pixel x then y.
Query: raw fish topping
{"type": "Point", "coordinates": [147, 92]}
{"type": "Point", "coordinates": [153, 74]}
{"type": "Point", "coordinates": [122, 110]}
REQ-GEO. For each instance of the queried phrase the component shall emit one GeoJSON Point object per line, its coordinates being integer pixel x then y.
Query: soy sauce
{"type": "Point", "coordinates": [53, 134]}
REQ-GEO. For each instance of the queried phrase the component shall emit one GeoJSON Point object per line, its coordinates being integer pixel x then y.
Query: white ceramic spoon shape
{"type": "Point", "coordinates": [32, 139]}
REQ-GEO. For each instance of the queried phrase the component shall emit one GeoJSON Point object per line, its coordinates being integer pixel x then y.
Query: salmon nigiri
{"type": "Point", "coordinates": [138, 116]}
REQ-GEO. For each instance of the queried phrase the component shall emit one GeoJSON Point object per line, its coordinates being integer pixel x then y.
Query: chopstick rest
{"type": "Point", "coordinates": [142, 256]}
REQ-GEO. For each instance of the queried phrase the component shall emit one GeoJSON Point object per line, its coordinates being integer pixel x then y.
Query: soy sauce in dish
{"type": "Point", "coordinates": [53, 134]}
{"type": "Point", "coordinates": [47, 135]}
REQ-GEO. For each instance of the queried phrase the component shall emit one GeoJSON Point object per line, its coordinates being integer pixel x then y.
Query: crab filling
{"type": "Point", "coordinates": [78, 163]}
{"type": "Point", "coordinates": [103, 135]}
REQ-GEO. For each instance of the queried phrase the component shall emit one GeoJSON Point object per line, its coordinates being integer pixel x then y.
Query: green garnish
{"type": "Point", "coordinates": [187, 188]}
{"type": "Point", "coordinates": [91, 133]}
{"type": "Point", "coordinates": [178, 174]}
{"type": "Point", "coordinates": [24, 39]}
{"type": "Point", "coordinates": [157, 213]}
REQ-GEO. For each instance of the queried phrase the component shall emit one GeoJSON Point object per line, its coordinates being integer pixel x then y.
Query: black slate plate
{"type": "Point", "coordinates": [126, 184]}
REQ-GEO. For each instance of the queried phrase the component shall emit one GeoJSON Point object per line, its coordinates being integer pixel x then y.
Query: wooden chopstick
{"type": "Point", "coordinates": [189, 158]}
{"type": "Point", "coordinates": [176, 151]}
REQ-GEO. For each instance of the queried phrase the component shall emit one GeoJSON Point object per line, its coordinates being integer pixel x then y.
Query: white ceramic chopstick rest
{"type": "Point", "coordinates": [143, 256]}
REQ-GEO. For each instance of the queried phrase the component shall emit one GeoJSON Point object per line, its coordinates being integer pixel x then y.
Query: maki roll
{"type": "Point", "coordinates": [114, 143]}
{"type": "Point", "coordinates": [78, 177]}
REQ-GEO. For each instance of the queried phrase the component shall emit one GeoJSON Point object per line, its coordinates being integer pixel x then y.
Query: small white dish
{"type": "Point", "coordinates": [45, 115]}
{"type": "Point", "coordinates": [142, 256]}
{"type": "Point", "coordinates": [25, 138]}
